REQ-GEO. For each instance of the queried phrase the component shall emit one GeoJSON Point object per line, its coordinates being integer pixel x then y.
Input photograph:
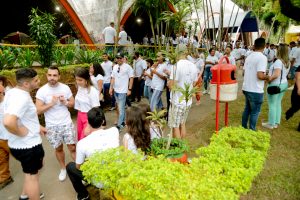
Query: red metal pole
{"type": "Point", "coordinates": [218, 98]}
{"type": "Point", "coordinates": [226, 114]}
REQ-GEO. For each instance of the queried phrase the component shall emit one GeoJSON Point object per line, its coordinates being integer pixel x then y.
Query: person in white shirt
{"type": "Point", "coordinates": [5, 176]}
{"type": "Point", "coordinates": [146, 40]}
{"type": "Point", "coordinates": [53, 100]}
{"type": "Point", "coordinates": [109, 34]}
{"type": "Point", "coordinates": [97, 139]}
{"type": "Point", "coordinates": [253, 85]}
{"type": "Point", "coordinates": [121, 86]}
{"type": "Point", "coordinates": [97, 76]}
{"type": "Point", "coordinates": [87, 97]}
{"type": "Point", "coordinates": [209, 62]}
{"type": "Point", "coordinates": [138, 135]}
{"type": "Point", "coordinates": [139, 66]}
{"type": "Point", "coordinates": [24, 130]}
{"type": "Point", "coordinates": [107, 66]}
{"type": "Point", "coordinates": [148, 80]}
{"type": "Point", "coordinates": [227, 53]}
{"type": "Point", "coordinates": [277, 77]}
{"type": "Point", "coordinates": [158, 82]}
{"type": "Point", "coordinates": [122, 39]}
{"type": "Point", "coordinates": [182, 73]}
{"type": "Point", "coordinates": [295, 60]}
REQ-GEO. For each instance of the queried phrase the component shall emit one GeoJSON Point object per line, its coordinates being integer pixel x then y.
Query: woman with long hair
{"type": "Point", "coordinates": [97, 73]}
{"type": "Point", "coordinates": [87, 97]}
{"type": "Point", "coordinates": [277, 77]}
{"type": "Point", "coordinates": [138, 135]}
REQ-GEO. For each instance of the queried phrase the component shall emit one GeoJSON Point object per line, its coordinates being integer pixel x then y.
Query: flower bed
{"type": "Point", "coordinates": [224, 170]}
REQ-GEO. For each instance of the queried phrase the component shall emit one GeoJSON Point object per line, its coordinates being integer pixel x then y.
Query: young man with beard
{"type": "Point", "coordinates": [54, 99]}
{"type": "Point", "coordinates": [22, 123]}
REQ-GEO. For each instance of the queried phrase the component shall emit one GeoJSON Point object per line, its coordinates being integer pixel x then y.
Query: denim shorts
{"type": "Point", "coordinates": [31, 159]}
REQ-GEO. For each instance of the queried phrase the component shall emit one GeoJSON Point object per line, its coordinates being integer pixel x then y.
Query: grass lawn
{"type": "Point", "coordinates": [280, 178]}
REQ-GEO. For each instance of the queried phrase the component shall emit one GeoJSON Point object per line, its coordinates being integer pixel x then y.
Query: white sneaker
{"type": "Point", "coordinates": [204, 92]}
{"type": "Point", "coordinates": [267, 125]}
{"type": "Point", "coordinates": [62, 175]}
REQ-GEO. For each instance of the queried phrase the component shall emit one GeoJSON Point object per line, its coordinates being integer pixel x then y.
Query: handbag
{"type": "Point", "coordinates": [275, 89]}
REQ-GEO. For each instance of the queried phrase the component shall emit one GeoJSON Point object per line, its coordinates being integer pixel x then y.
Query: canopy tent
{"type": "Point", "coordinates": [292, 34]}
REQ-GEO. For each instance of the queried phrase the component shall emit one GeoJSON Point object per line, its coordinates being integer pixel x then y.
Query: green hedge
{"type": "Point", "coordinates": [223, 170]}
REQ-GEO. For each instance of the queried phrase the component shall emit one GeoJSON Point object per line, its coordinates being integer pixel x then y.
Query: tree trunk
{"type": "Point", "coordinates": [213, 20]}
{"type": "Point", "coordinates": [152, 29]}
{"type": "Point", "coordinates": [198, 18]}
{"type": "Point", "coordinates": [221, 25]}
{"type": "Point", "coordinates": [234, 23]}
{"type": "Point", "coordinates": [207, 20]}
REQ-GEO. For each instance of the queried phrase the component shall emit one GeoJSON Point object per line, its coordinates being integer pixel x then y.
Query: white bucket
{"type": "Point", "coordinates": [228, 92]}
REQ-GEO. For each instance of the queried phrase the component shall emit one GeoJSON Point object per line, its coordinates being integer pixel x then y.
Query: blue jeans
{"type": "Point", "coordinates": [293, 72]}
{"type": "Point", "coordinates": [148, 92]}
{"type": "Point", "coordinates": [109, 48]}
{"type": "Point", "coordinates": [121, 101]}
{"type": "Point", "coordinates": [207, 77]}
{"type": "Point", "coordinates": [107, 97]}
{"type": "Point", "coordinates": [274, 102]}
{"type": "Point", "coordinates": [253, 102]}
{"type": "Point", "coordinates": [156, 102]}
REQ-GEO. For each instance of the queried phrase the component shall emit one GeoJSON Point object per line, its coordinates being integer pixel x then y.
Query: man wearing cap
{"type": "Point", "coordinates": [121, 85]}
{"type": "Point", "coordinates": [184, 72]}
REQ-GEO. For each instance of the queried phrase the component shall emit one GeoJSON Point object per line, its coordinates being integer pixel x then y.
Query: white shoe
{"type": "Point", "coordinates": [291, 88]}
{"type": "Point", "coordinates": [267, 125]}
{"type": "Point", "coordinates": [204, 92]}
{"type": "Point", "coordinates": [62, 175]}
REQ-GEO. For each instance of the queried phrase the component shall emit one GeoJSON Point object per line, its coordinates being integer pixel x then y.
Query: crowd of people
{"type": "Point", "coordinates": [116, 84]}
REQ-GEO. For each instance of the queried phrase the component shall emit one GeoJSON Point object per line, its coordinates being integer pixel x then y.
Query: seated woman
{"type": "Point", "coordinates": [154, 129]}
{"type": "Point", "coordinates": [138, 135]}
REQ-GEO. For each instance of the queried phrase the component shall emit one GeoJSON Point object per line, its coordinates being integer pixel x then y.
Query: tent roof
{"type": "Point", "coordinates": [293, 29]}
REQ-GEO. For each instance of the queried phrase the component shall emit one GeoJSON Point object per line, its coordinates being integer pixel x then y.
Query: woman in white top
{"type": "Point", "coordinates": [138, 135]}
{"type": "Point", "coordinates": [87, 97]}
{"type": "Point", "coordinates": [97, 76]}
{"type": "Point", "coordinates": [277, 77]}
{"type": "Point", "coordinates": [148, 80]}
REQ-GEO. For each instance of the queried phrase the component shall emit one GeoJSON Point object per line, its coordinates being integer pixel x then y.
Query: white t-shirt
{"type": "Point", "coordinates": [278, 65]}
{"type": "Point", "coordinates": [3, 131]}
{"type": "Point", "coordinates": [296, 55]}
{"type": "Point", "coordinates": [199, 64]}
{"type": "Point", "coordinates": [19, 103]}
{"type": "Point", "coordinates": [213, 59]}
{"type": "Point", "coordinates": [123, 38]}
{"type": "Point", "coordinates": [107, 67]}
{"type": "Point", "coordinates": [255, 62]}
{"type": "Point", "coordinates": [130, 142]}
{"type": "Point", "coordinates": [122, 74]}
{"type": "Point", "coordinates": [86, 99]}
{"type": "Point", "coordinates": [291, 52]}
{"type": "Point", "coordinates": [97, 141]}
{"type": "Point", "coordinates": [158, 83]}
{"type": "Point", "coordinates": [139, 66]}
{"type": "Point", "coordinates": [145, 41]}
{"type": "Point", "coordinates": [95, 80]}
{"type": "Point", "coordinates": [59, 113]}
{"type": "Point", "coordinates": [109, 34]}
{"type": "Point", "coordinates": [186, 73]}
{"type": "Point", "coordinates": [147, 79]}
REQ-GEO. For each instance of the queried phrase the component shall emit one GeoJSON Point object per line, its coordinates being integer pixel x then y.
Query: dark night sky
{"type": "Point", "coordinates": [14, 16]}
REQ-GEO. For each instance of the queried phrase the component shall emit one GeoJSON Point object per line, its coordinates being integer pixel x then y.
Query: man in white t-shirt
{"type": "Point", "coordinates": [253, 85]}
{"type": "Point", "coordinates": [121, 85]}
{"type": "Point", "coordinates": [139, 66]}
{"type": "Point", "coordinates": [53, 100]}
{"type": "Point", "coordinates": [107, 66]}
{"type": "Point", "coordinates": [158, 82]}
{"type": "Point", "coordinates": [186, 73]}
{"type": "Point", "coordinates": [97, 139]}
{"type": "Point", "coordinates": [210, 61]}
{"type": "Point", "coordinates": [109, 35]}
{"type": "Point", "coordinates": [295, 60]}
{"type": "Point", "coordinates": [227, 52]}
{"type": "Point", "coordinates": [22, 124]}
{"type": "Point", "coordinates": [122, 39]}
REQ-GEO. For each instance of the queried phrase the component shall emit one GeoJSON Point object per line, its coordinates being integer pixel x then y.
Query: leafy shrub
{"type": "Point", "coordinates": [223, 170]}
{"type": "Point", "coordinates": [88, 56]}
{"type": "Point", "coordinates": [26, 57]}
{"type": "Point", "coordinates": [7, 59]}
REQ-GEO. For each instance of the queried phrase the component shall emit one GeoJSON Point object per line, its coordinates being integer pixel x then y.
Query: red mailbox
{"type": "Point", "coordinates": [223, 86]}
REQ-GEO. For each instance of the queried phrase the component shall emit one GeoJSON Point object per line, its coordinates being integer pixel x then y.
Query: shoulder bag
{"type": "Point", "coordinates": [275, 89]}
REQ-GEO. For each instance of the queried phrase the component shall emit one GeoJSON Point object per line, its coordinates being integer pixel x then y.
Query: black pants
{"type": "Point", "coordinates": [76, 178]}
{"type": "Point", "coordinates": [136, 89]}
{"type": "Point", "coordinates": [295, 106]}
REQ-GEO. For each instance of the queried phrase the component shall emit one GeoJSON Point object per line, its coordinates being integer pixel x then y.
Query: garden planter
{"type": "Point", "coordinates": [182, 158]}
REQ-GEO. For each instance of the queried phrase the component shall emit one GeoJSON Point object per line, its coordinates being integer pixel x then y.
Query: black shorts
{"type": "Point", "coordinates": [31, 159]}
